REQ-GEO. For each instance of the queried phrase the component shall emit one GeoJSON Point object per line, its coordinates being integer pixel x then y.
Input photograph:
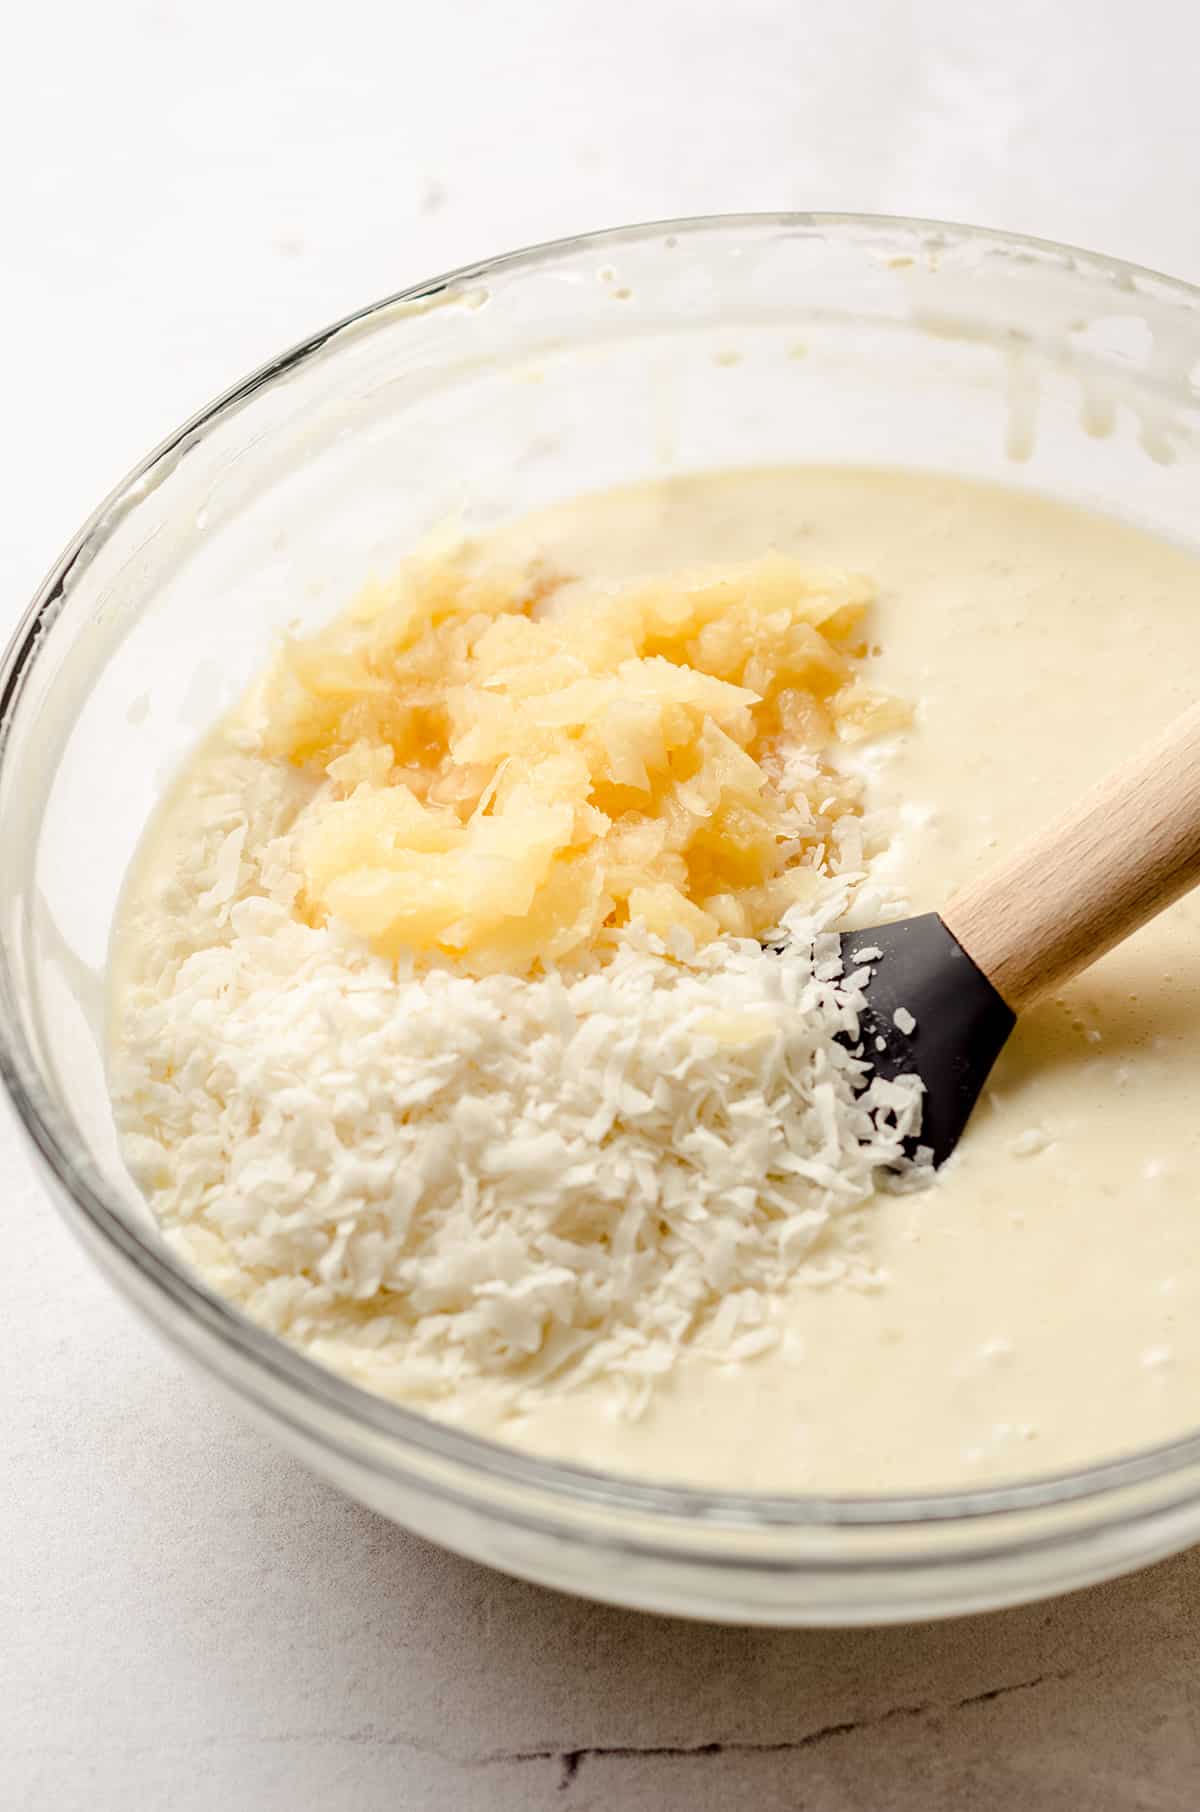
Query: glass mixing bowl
{"type": "Point", "coordinates": [499, 389]}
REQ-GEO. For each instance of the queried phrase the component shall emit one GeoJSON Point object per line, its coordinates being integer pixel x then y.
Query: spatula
{"type": "Point", "coordinates": [1090, 879]}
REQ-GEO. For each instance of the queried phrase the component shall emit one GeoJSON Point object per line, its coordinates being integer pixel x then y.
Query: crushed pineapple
{"type": "Point", "coordinates": [510, 763]}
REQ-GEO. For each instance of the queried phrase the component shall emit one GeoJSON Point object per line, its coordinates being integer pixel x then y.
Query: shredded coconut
{"type": "Point", "coordinates": [426, 1178]}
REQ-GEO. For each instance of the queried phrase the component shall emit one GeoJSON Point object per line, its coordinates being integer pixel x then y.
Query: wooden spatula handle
{"type": "Point", "coordinates": [1126, 850]}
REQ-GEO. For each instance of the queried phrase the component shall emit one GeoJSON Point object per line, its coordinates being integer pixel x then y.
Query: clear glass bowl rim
{"type": "Point", "coordinates": [270, 1358]}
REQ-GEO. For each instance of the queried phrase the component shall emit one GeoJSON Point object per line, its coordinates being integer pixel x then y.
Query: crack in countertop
{"type": "Point", "coordinates": [571, 1760]}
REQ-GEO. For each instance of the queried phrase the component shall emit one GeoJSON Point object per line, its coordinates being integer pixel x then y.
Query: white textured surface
{"type": "Point", "coordinates": [187, 1620]}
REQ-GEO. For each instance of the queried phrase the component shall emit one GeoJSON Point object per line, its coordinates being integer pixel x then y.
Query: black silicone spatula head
{"type": "Point", "coordinates": [930, 1012]}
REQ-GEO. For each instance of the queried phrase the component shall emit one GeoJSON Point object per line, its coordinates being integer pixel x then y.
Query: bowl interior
{"type": "Point", "coordinates": [507, 388]}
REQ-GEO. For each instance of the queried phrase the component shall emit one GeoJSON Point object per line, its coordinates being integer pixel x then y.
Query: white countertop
{"type": "Point", "coordinates": [187, 1619]}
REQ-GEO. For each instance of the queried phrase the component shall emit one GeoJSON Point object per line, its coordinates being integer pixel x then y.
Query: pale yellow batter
{"type": "Point", "coordinates": [1040, 1306]}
